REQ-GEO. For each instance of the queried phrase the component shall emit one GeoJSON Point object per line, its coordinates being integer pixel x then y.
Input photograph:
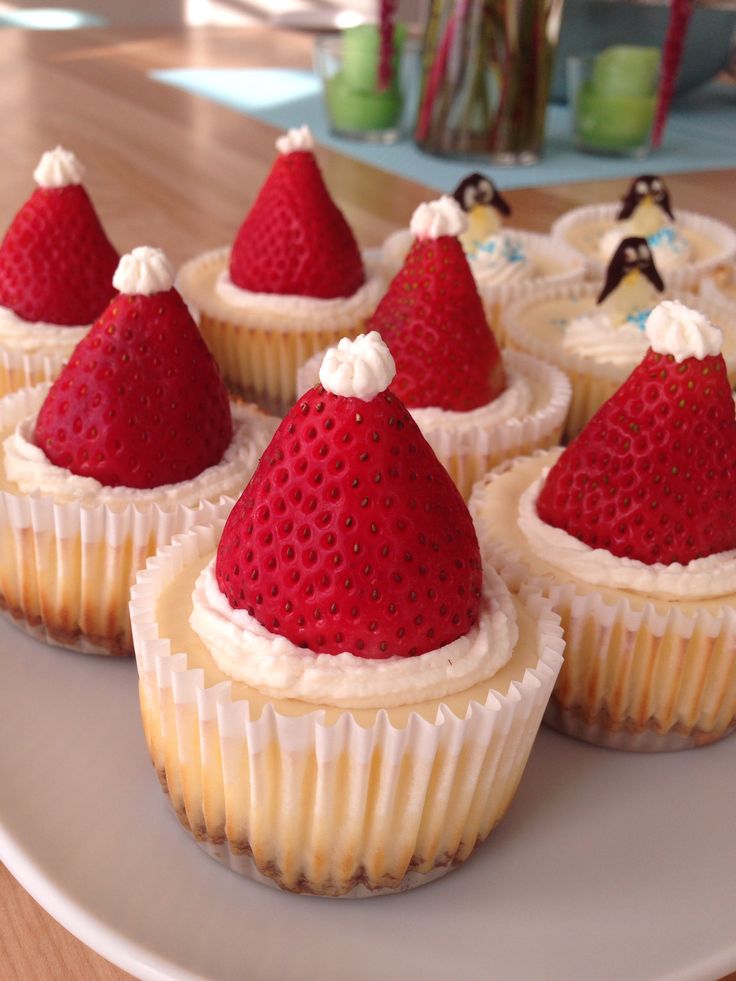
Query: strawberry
{"type": "Point", "coordinates": [351, 535]}
{"type": "Point", "coordinates": [653, 474]}
{"type": "Point", "coordinates": [141, 402]}
{"type": "Point", "coordinates": [433, 321]}
{"type": "Point", "coordinates": [295, 240]}
{"type": "Point", "coordinates": [56, 263]}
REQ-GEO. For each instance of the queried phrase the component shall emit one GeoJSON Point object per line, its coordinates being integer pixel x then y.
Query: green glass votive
{"type": "Point", "coordinates": [347, 64]}
{"type": "Point", "coordinates": [613, 97]}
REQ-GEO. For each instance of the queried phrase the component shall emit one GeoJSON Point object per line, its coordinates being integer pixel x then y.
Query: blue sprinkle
{"type": "Point", "coordinates": [665, 236]}
{"type": "Point", "coordinates": [638, 318]}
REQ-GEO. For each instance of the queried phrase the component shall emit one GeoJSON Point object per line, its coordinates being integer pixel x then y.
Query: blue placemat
{"type": "Point", "coordinates": [701, 133]}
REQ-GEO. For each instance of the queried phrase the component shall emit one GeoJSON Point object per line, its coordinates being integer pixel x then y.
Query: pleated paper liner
{"type": "Point", "coordinates": [66, 567]}
{"type": "Point", "coordinates": [714, 242]}
{"type": "Point", "coordinates": [720, 290]}
{"type": "Point", "coordinates": [640, 672]}
{"type": "Point", "coordinates": [23, 369]}
{"type": "Point", "coordinates": [258, 350]}
{"type": "Point", "coordinates": [593, 381]}
{"type": "Point", "coordinates": [328, 801]}
{"type": "Point", "coordinates": [467, 451]}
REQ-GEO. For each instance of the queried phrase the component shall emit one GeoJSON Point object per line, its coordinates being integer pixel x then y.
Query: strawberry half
{"type": "Point", "coordinates": [141, 402]}
{"type": "Point", "coordinates": [433, 321]}
{"type": "Point", "coordinates": [351, 535]}
{"type": "Point", "coordinates": [653, 474]}
{"type": "Point", "coordinates": [56, 263]}
{"type": "Point", "coordinates": [295, 240]}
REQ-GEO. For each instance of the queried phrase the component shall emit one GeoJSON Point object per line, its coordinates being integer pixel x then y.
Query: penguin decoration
{"type": "Point", "coordinates": [632, 281]}
{"type": "Point", "coordinates": [480, 199]}
{"type": "Point", "coordinates": [646, 205]}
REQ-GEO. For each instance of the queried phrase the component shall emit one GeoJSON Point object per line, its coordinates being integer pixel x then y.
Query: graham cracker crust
{"type": "Point", "coordinates": [74, 640]}
{"type": "Point", "coordinates": [628, 734]}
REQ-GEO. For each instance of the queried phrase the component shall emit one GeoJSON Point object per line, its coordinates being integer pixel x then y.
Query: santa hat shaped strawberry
{"type": "Point", "coordinates": [295, 240]}
{"type": "Point", "coordinates": [653, 475]}
{"type": "Point", "coordinates": [433, 321]}
{"type": "Point", "coordinates": [141, 402]}
{"type": "Point", "coordinates": [56, 263]}
{"type": "Point", "coordinates": [351, 535]}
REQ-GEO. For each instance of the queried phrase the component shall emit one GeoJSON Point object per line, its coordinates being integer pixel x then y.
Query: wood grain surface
{"type": "Point", "coordinates": [170, 169]}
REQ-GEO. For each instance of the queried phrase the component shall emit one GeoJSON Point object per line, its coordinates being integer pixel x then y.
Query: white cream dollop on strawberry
{"type": "Point", "coordinates": [299, 138]}
{"type": "Point", "coordinates": [143, 272]}
{"type": "Point", "coordinates": [58, 168]}
{"type": "Point", "coordinates": [246, 651]}
{"type": "Point", "coordinates": [433, 219]}
{"type": "Point", "coordinates": [673, 328]}
{"type": "Point", "coordinates": [704, 578]}
{"type": "Point", "coordinates": [358, 369]}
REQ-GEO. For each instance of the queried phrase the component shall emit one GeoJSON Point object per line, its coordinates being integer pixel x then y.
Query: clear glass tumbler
{"type": "Point", "coordinates": [486, 73]}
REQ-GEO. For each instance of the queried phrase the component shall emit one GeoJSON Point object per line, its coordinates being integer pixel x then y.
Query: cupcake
{"type": "Point", "coordinates": [686, 246]}
{"type": "Point", "coordinates": [338, 696]}
{"type": "Point", "coordinates": [631, 533]}
{"type": "Point", "coordinates": [474, 405]}
{"type": "Point", "coordinates": [504, 261]}
{"type": "Point", "coordinates": [292, 284]}
{"type": "Point", "coordinates": [133, 442]}
{"type": "Point", "coordinates": [596, 334]}
{"type": "Point", "coordinates": [56, 269]}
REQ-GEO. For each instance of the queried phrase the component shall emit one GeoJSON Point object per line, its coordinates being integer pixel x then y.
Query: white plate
{"type": "Point", "coordinates": [608, 865]}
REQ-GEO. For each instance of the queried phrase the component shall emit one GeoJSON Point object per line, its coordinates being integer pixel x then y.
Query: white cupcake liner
{"type": "Point", "coordinates": [640, 673]}
{"type": "Point", "coordinates": [469, 451]}
{"type": "Point", "coordinates": [23, 369]}
{"type": "Point", "coordinates": [321, 803]}
{"type": "Point", "coordinates": [685, 277]}
{"type": "Point", "coordinates": [712, 292]}
{"type": "Point", "coordinates": [66, 568]}
{"type": "Point", "coordinates": [258, 350]}
{"type": "Point", "coordinates": [593, 382]}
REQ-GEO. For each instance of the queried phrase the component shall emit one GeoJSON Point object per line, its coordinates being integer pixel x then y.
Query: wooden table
{"type": "Point", "coordinates": [169, 169]}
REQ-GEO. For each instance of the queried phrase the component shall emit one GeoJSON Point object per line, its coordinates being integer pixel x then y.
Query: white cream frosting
{"type": "Point", "coordinates": [499, 259]}
{"type": "Point", "coordinates": [246, 651]}
{"type": "Point", "coordinates": [143, 272]}
{"type": "Point", "coordinates": [513, 403]}
{"type": "Point", "coordinates": [711, 576]}
{"type": "Point", "coordinates": [396, 247]}
{"type": "Point", "coordinates": [358, 369]}
{"type": "Point", "coordinates": [58, 168]}
{"type": "Point", "coordinates": [433, 219]}
{"type": "Point", "coordinates": [37, 337]}
{"type": "Point", "coordinates": [668, 245]}
{"type": "Point", "coordinates": [28, 467]}
{"type": "Point", "coordinates": [673, 328]}
{"type": "Point", "coordinates": [299, 138]}
{"type": "Point", "coordinates": [599, 338]}
{"type": "Point", "coordinates": [286, 304]}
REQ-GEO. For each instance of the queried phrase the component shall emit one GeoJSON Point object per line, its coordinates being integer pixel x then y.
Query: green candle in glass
{"type": "Point", "coordinates": [348, 65]}
{"type": "Point", "coordinates": [613, 97]}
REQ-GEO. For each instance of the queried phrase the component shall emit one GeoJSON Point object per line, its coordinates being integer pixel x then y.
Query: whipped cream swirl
{"type": "Point", "coordinates": [358, 369]}
{"type": "Point", "coordinates": [58, 168]}
{"type": "Point", "coordinates": [299, 138]}
{"type": "Point", "coordinates": [499, 259]}
{"type": "Point", "coordinates": [705, 578]}
{"type": "Point", "coordinates": [143, 272]}
{"type": "Point", "coordinates": [434, 219]}
{"type": "Point", "coordinates": [246, 651]}
{"type": "Point", "coordinates": [673, 328]}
